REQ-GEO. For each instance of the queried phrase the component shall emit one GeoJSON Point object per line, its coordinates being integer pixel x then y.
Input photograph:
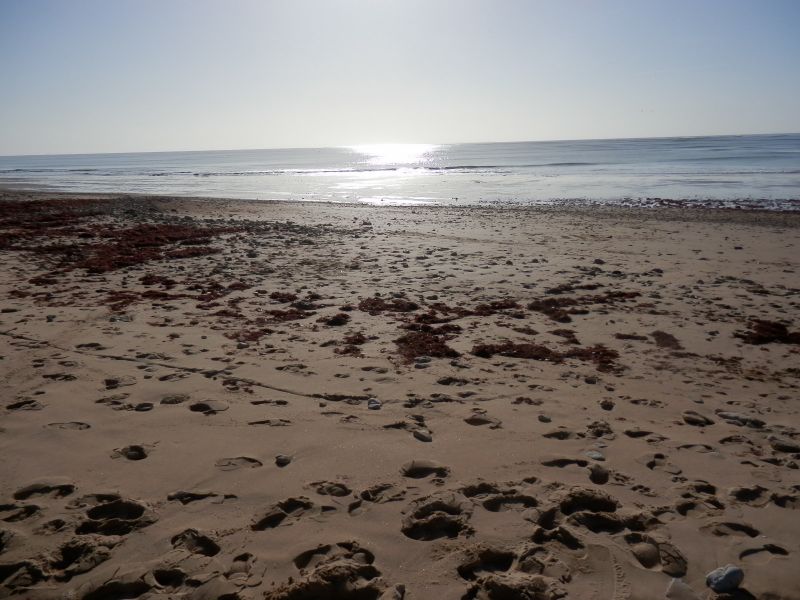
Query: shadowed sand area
{"type": "Point", "coordinates": [236, 400]}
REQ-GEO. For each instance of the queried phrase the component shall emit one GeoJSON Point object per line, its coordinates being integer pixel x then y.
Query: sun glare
{"type": "Point", "coordinates": [391, 154]}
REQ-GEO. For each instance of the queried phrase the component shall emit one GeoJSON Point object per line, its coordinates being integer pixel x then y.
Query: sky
{"type": "Point", "coordinates": [83, 76]}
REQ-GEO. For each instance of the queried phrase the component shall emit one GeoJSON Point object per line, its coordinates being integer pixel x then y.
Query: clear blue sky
{"type": "Point", "coordinates": [125, 75]}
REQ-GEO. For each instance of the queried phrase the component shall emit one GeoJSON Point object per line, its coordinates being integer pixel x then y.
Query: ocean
{"type": "Point", "coordinates": [746, 171]}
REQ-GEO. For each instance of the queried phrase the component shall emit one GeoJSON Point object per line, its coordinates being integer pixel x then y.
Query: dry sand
{"type": "Point", "coordinates": [474, 403]}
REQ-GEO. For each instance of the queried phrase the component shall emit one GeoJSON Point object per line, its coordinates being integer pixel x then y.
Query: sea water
{"type": "Point", "coordinates": [748, 170]}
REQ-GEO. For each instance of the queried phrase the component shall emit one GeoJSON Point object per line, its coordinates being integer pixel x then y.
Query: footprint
{"type": "Point", "coordinates": [52, 526]}
{"type": "Point", "coordinates": [59, 376]}
{"type": "Point", "coordinates": [730, 528]}
{"type": "Point", "coordinates": [172, 399]}
{"type": "Point", "coordinates": [598, 522]}
{"type": "Point", "coordinates": [272, 422]}
{"type": "Point", "coordinates": [133, 452]}
{"type": "Point", "coordinates": [659, 462]}
{"type": "Point", "coordinates": [241, 571]}
{"type": "Point", "coordinates": [169, 580]}
{"type": "Point", "coordinates": [326, 553]}
{"type": "Point", "coordinates": [196, 543]}
{"type": "Point", "coordinates": [497, 573]}
{"type": "Point", "coordinates": [119, 588]}
{"type": "Point", "coordinates": [419, 469]}
{"type": "Point", "coordinates": [704, 448]}
{"type": "Point", "coordinates": [27, 404]}
{"type": "Point", "coordinates": [237, 462]}
{"type": "Point", "coordinates": [53, 489]}
{"type": "Point", "coordinates": [189, 497]}
{"type": "Point", "coordinates": [21, 575]}
{"type": "Point", "coordinates": [479, 418]}
{"type": "Point", "coordinates": [764, 552]}
{"type": "Point", "coordinates": [377, 494]}
{"type": "Point", "coordinates": [383, 492]}
{"type": "Point", "coordinates": [117, 517]}
{"type": "Point", "coordinates": [287, 512]}
{"type": "Point", "coordinates": [637, 433]}
{"type": "Point", "coordinates": [80, 556]}
{"type": "Point", "coordinates": [112, 383]}
{"type": "Point", "coordinates": [486, 560]}
{"type": "Point", "coordinates": [560, 434]}
{"type": "Point", "coordinates": [69, 425]}
{"type": "Point", "coordinates": [754, 495]}
{"type": "Point", "coordinates": [509, 500]}
{"type": "Point", "coordinates": [656, 554]}
{"type": "Point", "coordinates": [11, 513]}
{"type": "Point", "coordinates": [564, 462]}
{"type": "Point", "coordinates": [482, 488]}
{"type": "Point", "coordinates": [5, 539]}
{"type": "Point", "coordinates": [327, 488]}
{"type": "Point", "coordinates": [209, 407]}
{"type": "Point", "coordinates": [336, 572]}
{"type": "Point", "coordinates": [269, 402]}
{"type": "Point", "coordinates": [437, 516]}
{"type": "Point", "coordinates": [116, 401]}
{"type": "Point", "coordinates": [790, 501]}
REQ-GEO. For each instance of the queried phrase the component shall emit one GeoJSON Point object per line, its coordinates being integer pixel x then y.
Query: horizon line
{"type": "Point", "coordinates": [600, 139]}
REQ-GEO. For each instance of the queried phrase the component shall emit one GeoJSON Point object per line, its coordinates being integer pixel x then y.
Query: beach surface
{"type": "Point", "coordinates": [236, 400]}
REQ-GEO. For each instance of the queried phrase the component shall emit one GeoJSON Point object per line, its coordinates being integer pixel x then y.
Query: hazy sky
{"type": "Point", "coordinates": [125, 75]}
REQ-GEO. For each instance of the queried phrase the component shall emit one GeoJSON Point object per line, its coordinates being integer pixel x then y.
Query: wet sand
{"type": "Point", "coordinates": [230, 399]}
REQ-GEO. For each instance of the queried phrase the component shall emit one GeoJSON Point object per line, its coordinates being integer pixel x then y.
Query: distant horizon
{"type": "Point", "coordinates": [335, 146]}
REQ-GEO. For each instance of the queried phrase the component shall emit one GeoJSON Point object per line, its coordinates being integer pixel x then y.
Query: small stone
{"type": "Point", "coordinates": [174, 398]}
{"type": "Point", "coordinates": [783, 445]}
{"type": "Point", "coordinates": [725, 579]}
{"type": "Point", "coordinates": [695, 418]}
{"type": "Point", "coordinates": [594, 455]}
{"type": "Point", "coordinates": [282, 460]}
{"type": "Point", "coordinates": [374, 404]}
{"type": "Point", "coordinates": [607, 404]}
{"type": "Point", "coordinates": [591, 380]}
{"type": "Point", "coordinates": [423, 435]}
{"type": "Point", "coordinates": [598, 474]}
{"type": "Point", "coordinates": [544, 418]}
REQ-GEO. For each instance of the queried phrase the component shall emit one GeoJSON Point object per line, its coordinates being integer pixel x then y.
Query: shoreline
{"type": "Point", "coordinates": [669, 212]}
{"type": "Point", "coordinates": [283, 400]}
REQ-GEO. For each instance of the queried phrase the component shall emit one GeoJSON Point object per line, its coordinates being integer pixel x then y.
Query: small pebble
{"type": "Point", "coordinates": [374, 404]}
{"type": "Point", "coordinates": [282, 460]}
{"type": "Point", "coordinates": [544, 418]}
{"type": "Point", "coordinates": [725, 579]}
{"type": "Point", "coordinates": [595, 455]}
{"type": "Point", "coordinates": [423, 435]}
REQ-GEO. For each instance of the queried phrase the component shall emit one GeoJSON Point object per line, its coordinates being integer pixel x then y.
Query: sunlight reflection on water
{"type": "Point", "coordinates": [393, 154]}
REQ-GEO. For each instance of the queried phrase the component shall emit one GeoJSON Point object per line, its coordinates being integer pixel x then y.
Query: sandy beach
{"type": "Point", "coordinates": [215, 399]}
